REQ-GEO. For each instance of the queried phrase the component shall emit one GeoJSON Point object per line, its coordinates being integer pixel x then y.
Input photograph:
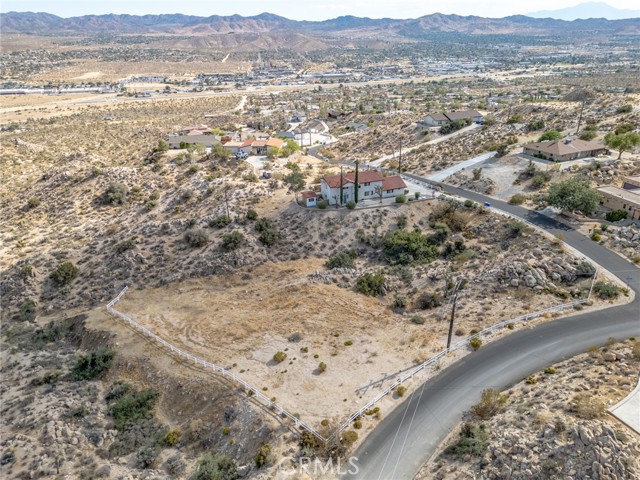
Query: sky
{"type": "Point", "coordinates": [298, 9]}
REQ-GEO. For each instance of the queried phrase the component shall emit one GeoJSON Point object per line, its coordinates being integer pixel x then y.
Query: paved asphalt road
{"type": "Point", "coordinates": [408, 436]}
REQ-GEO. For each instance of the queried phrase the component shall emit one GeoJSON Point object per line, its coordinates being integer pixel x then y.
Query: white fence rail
{"type": "Point", "coordinates": [302, 426]}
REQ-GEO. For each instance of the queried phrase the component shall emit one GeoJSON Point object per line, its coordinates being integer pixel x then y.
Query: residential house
{"type": "Point", "coordinates": [356, 127]}
{"type": "Point", "coordinates": [193, 134]}
{"type": "Point", "coordinates": [371, 184]}
{"type": "Point", "coordinates": [625, 198]}
{"type": "Point", "coordinates": [236, 146]}
{"type": "Point", "coordinates": [254, 146]}
{"type": "Point", "coordinates": [440, 119]}
{"type": "Point", "coordinates": [564, 150]}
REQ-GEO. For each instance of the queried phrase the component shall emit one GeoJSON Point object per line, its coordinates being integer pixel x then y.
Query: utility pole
{"type": "Point", "coordinates": [453, 311]}
{"type": "Point", "coordinates": [400, 159]}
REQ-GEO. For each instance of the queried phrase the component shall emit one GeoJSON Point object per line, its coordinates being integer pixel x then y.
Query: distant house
{"type": "Point", "coordinates": [356, 127]}
{"type": "Point", "coordinates": [193, 134]}
{"type": "Point", "coordinates": [235, 146]}
{"type": "Point", "coordinates": [310, 198]}
{"type": "Point", "coordinates": [370, 185]}
{"type": "Point", "coordinates": [564, 150]}
{"type": "Point", "coordinates": [253, 146]}
{"type": "Point", "coordinates": [625, 198]}
{"type": "Point", "coordinates": [440, 119]}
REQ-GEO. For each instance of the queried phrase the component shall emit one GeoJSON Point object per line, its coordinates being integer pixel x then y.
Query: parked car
{"type": "Point", "coordinates": [241, 155]}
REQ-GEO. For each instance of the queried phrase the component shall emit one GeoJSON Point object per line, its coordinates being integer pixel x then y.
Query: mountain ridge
{"type": "Point", "coordinates": [587, 10]}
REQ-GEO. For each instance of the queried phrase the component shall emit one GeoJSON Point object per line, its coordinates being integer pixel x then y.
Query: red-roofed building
{"type": "Point", "coordinates": [309, 198]}
{"type": "Point", "coordinates": [371, 185]}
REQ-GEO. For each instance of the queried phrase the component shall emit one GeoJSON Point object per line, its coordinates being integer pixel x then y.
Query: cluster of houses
{"type": "Point", "coordinates": [340, 189]}
{"type": "Point", "coordinates": [626, 197]}
{"type": "Point", "coordinates": [253, 143]}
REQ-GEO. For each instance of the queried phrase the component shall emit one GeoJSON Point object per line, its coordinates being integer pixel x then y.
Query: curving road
{"type": "Point", "coordinates": [408, 436]}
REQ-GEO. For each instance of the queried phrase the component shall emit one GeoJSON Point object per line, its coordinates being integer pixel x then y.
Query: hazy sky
{"type": "Point", "coordinates": [297, 9]}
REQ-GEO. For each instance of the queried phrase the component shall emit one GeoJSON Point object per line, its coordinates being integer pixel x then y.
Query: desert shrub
{"type": "Point", "coordinates": [220, 221]}
{"type": "Point", "coordinates": [232, 241]}
{"type": "Point", "coordinates": [588, 135]}
{"type": "Point", "coordinates": [115, 194]}
{"type": "Point", "coordinates": [357, 424]}
{"type": "Point", "coordinates": [65, 273]}
{"type": "Point", "coordinates": [146, 458]}
{"type": "Point", "coordinates": [117, 390]}
{"type": "Point", "coordinates": [595, 236]}
{"type": "Point", "coordinates": [473, 440]}
{"type": "Point", "coordinates": [531, 380]}
{"type": "Point", "coordinates": [341, 260]}
{"type": "Point", "coordinates": [535, 125]}
{"type": "Point", "coordinates": [172, 437]}
{"type": "Point", "coordinates": [196, 238]}
{"type": "Point", "coordinates": [452, 249]}
{"type": "Point", "coordinates": [93, 365]}
{"type": "Point", "coordinates": [371, 284]}
{"type": "Point", "coordinates": [401, 390]}
{"type": "Point", "coordinates": [351, 204]}
{"type": "Point", "coordinates": [418, 320]}
{"type": "Point", "coordinates": [606, 290]}
{"type": "Point", "coordinates": [616, 215]}
{"type": "Point", "coordinates": [264, 456]}
{"type": "Point", "coordinates": [585, 269]}
{"type": "Point", "coordinates": [635, 350]}
{"type": "Point", "coordinates": [429, 300]}
{"type": "Point", "coordinates": [401, 221]}
{"type": "Point", "coordinates": [491, 401]}
{"type": "Point", "coordinates": [516, 227]}
{"type": "Point", "coordinates": [27, 310]}
{"type": "Point", "coordinates": [124, 246]}
{"type": "Point", "coordinates": [348, 343]}
{"type": "Point", "coordinates": [400, 301]}
{"type": "Point", "coordinates": [416, 195]}
{"type": "Point", "coordinates": [133, 407]}
{"type": "Point", "coordinates": [218, 466]}
{"type": "Point", "coordinates": [322, 204]}
{"type": "Point", "coordinates": [586, 406]}
{"type": "Point", "coordinates": [550, 135]}
{"type": "Point", "coordinates": [475, 343]}
{"type": "Point", "coordinates": [269, 237]}
{"type": "Point", "coordinates": [517, 199]}
{"type": "Point", "coordinates": [263, 224]}
{"type": "Point", "coordinates": [405, 248]}
{"type": "Point", "coordinates": [441, 232]}
{"type": "Point", "coordinates": [33, 202]}
{"type": "Point", "coordinates": [469, 203]}
{"type": "Point", "coordinates": [349, 437]}
{"type": "Point", "coordinates": [449, 212]}
{"type": "Point", "coordinates": [539, 180]}
{"type": "Point", "coordinates": [624, 109]}
{"type": "Point", "coordinates": [549, 370]}
{"type": "Point", "coordinates": [175, 465]}
{"type": "Point", "coordinates": [252, 214]}
{"type": "Point", "coordinates": [322, 367]}
{"type": "Point", "coordinates": [279, 357]}
{"type": "Point", "coordinates": [401, 199]}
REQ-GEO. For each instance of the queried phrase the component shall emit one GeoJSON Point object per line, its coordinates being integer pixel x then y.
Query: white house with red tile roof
{"type": "Point", "coordinates": [369, 184]}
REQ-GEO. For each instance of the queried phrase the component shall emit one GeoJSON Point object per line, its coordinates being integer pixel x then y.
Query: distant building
{"type": "Point", "coordinates": [625, 198]}
{"type": "Point", "coordinates": [193, 134]}
{"type": "Point", "coordinates": [253, 146]}
{"type": "Point", "coordinates": [370, 185]}
{"type": "Point", "coordinates": [440, 119]}
{"type": "Point", "coordinates": [565, 150]}
{"type": "Point", "coordinates": [310, 199]}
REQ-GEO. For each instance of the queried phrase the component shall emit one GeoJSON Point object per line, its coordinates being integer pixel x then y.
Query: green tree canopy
{"type": "Point", "coordinates": [295, 182]}
{"type": "Point", "coordinates": [623, 142]}
{"type": "Point", "coordinates": [574, 195]}
{"type": "Point", "coordinates": [550, 135]}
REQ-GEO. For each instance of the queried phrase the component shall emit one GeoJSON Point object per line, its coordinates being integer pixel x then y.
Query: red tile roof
{"type": "Point", "coordinates": [367, 176]}
{"type": "Point", "coordinates": [309, 194]}
{"type": "Point", "coordinates": [393, 183]}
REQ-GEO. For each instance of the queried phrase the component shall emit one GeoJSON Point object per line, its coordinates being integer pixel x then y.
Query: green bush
{"type": "Point", "coordinates": [221, 221]}
{"type": "Point", "coordinates": [322, 367]}
{"type": "Point", "coordinates": [401, 199]}
{"type": "Point", "coordinates": [606, 290]}
{"type": "Point", "coordinates": [279, 357]}
{"type": "Point", "coordinates": [588, 135]}
{"type": "Point", "coordinates": [252, 214]}
{"type": "Point", "coordinates": [351, 204]}
{"type": "Point", "coordinates": [133, 408]}
{"type": "Point", "coordinates": [428, 300]}
{"type": "Point", "coordinates": [232, 241]}
{"type": "Point", "coordinates": [33, 202]}
{"type": "Point", "coordinates": [218, 466]}
{"type": "Point", "coordinates": [491, 402]}
{"type": "Point", "coordinates": [27, 310]}
{"type": "Point", "coordinates": [65, 273]}
{"type": "Point", "coordinates": [475, 343]}
{"type": "Point", "coordinates": [172, 437]}
{"type": "Point", "coordinates": [263, 224]}
{"type": "Point", "coordinates": [585, 269]}
{"type": "Point", "coordinates": [196, 238]}
{"type": "Point", "coordinates": [595, 236]}
{"type": "Point", "coordinates": [371, 284]}
{"type": "Point", "coordinates": [322, 204]}
{"type": "Point", "coordinates": [516, 227]}
{"type": "Point", "coordinates": [92, 365]}
{"type": "Point", "coordinates": [124, 246]}
{"type": "Point", "coordinates": [401, 221]}
{"type": "Point", "coordinates": [269, 237]}
{"type": "Point", "coordinates": [146, 458]}
{"type": "Point", "coordinates": [517, 199]}
{"type": "Point", "coordinates": [349, 437]}
{"type": "Point", "coordinates": [616, 215]}
{"type": "Point", "coordinates": [405, 248]}
{"type": "Point", "coordinates": [264, 456]}
{"type": "Point", "coordinates": [585, 405]}
{"type": "Point", "coordinates": [624, 109]}
{"type": "Point", "coordinates": [550, 135]}
{"type": "Point", "coordinates": [441, 232]}
{"type": "Point", "coordinates": [401, 390]}
{"type": "Point", "coordinates": [341, 260]}
{"type": "Point", "coordinates": [115, 194]}
{"type": "Point", "coordinates": [473, 440]}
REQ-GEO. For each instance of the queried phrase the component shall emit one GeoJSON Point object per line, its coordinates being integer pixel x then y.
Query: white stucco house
{"type": "Point", "coordinates": [440, 119]}
{"type": "Point", "coordinates": [369, 183]}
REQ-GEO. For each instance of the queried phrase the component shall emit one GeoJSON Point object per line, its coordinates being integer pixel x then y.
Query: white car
{"type": "Point", "coordinates": [242, 155]}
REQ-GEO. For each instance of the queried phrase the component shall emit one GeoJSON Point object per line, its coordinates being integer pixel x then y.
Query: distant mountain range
{"type": "Point", "coordinates": [587, 10]}
{"type": "Point", "coordinates": [45, 23]}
